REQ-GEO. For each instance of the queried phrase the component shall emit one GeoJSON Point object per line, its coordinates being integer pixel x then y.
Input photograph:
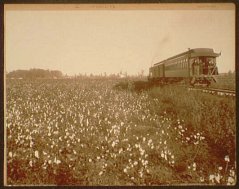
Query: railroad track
{"type": "Point", "coordinates": [215, 91]}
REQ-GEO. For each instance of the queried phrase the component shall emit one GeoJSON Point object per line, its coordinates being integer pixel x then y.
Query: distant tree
{"type": "Point", "coordinates": [229, 72]}
{"type": "Point", "coordinates": [56, 73]}
{"type": "Point", "coordinates": [142, 73]}
{"type": "Point", "coordinates": [125, 74]}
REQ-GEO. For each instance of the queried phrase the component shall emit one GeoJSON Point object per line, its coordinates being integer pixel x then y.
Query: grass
{"type": "Point", "coordinates": [62, 132]}
{"type": "Point", "coordinates": [225, 81]}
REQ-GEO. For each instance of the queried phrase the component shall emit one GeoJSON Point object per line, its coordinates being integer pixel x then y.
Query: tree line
{"type": "Point", "coordinates": [35, 74]}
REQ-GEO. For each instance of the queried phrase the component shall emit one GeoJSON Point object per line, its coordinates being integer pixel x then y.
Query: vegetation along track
{"type": "Point", "coordinates": [145, 85]}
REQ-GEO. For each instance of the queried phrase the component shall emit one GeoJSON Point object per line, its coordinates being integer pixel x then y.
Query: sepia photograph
{"type": "Point", "coordinates": [120, 94]}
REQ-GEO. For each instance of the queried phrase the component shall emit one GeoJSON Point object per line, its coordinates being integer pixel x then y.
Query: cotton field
{"type": "Point", "coordinates": [83, 132]}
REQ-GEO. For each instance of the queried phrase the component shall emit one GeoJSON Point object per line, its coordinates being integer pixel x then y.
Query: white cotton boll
{"type": "Point", "coordinates": [30, 163]}
{"type": "Point", "coordinates": [31, 144]}
{"type": "Point", "coordinates": [218, 178]}
{"type": "Point", "coordinates": [230, 181]}
{"type": "Point", "coordinates": [201, 179]}
{"type": "Point", "coordinates": [113, 144]}
{"type": "Point", "coordinates": [194, 166]}
{"type": "Point", "coordinates": [58, 161]}
{"type": "Point", "coordinates": [165, 157]}
{"type": "Point", "coordinates": [219, 168]}
{"type": "Point", "coordinates": [141, 174]}
{"type": "Point", "coordinates": [227, 159]}
{"type": "Point", "coordinates": [162, 154]}
{"type": "Point", "coordinates": [142, 152]}
{"type": "Point", "coordinates": [10, 154]}
{"type": "Point", "coordinates": [120, 150]}
{"type": "Point", "coordinates": [211, 178]}
{"type": "Point", "coordinates": [196, 143]}
{"type": "Point", "coordinates": [36, 154]}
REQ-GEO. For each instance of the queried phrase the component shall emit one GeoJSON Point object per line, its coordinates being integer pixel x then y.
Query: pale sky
{"type": "Point", "coordinates": [98, 41]}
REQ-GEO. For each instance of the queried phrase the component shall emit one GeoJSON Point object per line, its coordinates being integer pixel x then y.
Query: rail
{"type": "Point", "coordinates": [220, 92]}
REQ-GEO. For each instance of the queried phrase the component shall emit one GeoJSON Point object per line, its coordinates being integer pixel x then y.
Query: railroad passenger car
{"type": "Point", "coordinates": [197, 66]}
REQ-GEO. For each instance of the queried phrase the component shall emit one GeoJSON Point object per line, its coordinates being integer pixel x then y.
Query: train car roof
{"type": "Point", "coordinates": [193, 53]}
